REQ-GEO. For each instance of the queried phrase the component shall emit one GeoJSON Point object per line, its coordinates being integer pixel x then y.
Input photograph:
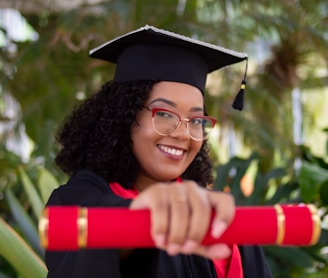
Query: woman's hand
{"type": "Point", "coordinates": [180, 217]}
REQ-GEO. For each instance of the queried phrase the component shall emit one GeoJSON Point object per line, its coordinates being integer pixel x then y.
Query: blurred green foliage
{"type": "Point", "coordinates": [43, 79]}
{"type": "Point", "coordinates": [306, 185]}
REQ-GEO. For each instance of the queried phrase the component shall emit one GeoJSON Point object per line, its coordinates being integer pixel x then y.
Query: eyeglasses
{"type": "Point", "coordinates": [166, 121]}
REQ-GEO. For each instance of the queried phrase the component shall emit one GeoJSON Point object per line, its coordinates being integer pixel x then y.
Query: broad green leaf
{"type": "Point", "coordinates": [310, 178]}
{"type": "Point", "coordinates": [2, 275]}
{"type": "Point", "coordinates": [231, 174]}
{"type": "Point", "coordinates": [47, 183]}
{"type": "Point", "coordinates": [324, 193]}
{"type": "Point", "coordinates": [24, 221]}
{"type": "Point", "coordinates": [14, 249]}
{"type": "Point", "coordinates": [222, 175]}
{"type": "Point", "coordinates": [293, 256]}
{"type": "Point", "coordinates": [282, 193]}
{"type": "Point", "coordinates": [33, 195]}
{"type": "Point", "coordinates": [241, 169]}
{"type": "Point", "coordinates": [261, 184]}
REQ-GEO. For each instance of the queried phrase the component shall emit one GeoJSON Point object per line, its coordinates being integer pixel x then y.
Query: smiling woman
{"type": "Point", "coordinates": [140, 142]}
{"type": "Point", "coordinates": [166, 157]}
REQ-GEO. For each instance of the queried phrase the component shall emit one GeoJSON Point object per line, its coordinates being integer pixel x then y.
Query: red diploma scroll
{"type": "Point", "coordinates": [72, 228]}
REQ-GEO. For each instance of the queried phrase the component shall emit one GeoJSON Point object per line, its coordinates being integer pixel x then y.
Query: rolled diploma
{"type": "Point", "coordinates": [73, 228]}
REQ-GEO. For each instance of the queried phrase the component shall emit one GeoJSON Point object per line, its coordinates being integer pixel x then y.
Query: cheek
{"type": "Point", "coordinates": [196, 147]}
{"type": "Point", "coordinates": [142, 136]}
{"type": "Point", "coordinates": [142, 131]}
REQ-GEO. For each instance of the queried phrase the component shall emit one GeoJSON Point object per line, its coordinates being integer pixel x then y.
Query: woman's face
{"type": "Point", "coordinates": [164, 158]}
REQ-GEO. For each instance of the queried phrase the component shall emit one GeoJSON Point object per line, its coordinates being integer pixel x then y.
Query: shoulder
{"type": "Point", "coordinates": [88, 189]}
{"type": "Point", "coordinates": [84, 181]}
{"type": "Point", "coordinates": [87, 178]}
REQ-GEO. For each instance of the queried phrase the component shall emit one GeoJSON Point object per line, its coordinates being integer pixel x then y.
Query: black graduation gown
{"type": "Point", "coordinates": [85, 188]}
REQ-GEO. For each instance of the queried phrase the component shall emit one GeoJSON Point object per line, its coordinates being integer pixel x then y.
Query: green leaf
{"type": "Point", "coordinates": [292, 256]}
{"type": "Point", "coordinates": [241, 169]}
{"type": "Point", "coordinates": [261, 185]}
{"type": "Point", "coordinates": [24, 221]}
{"type": "Point", "coordinates": [323, 191]}
{"type": "Point", "coordinates": [222, 178]}
{"type": "Point", "coordinates": [14, 249]}
{"type": "Point", "coordinates": [310, 178]}
{"type": "Point", "coordinates": [32, 193]}
{"type": "Point", "coordinates": [47, 183]}
{"type": "Point", "coordinates": [231, 174]}
{"type": "Point", "coordinates": [2, 275]}
{"type": "Point", "coordinates": [283, 193]}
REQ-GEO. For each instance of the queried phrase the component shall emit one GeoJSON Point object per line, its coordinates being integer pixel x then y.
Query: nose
{"type": "Point", "coordinates": [181, 132]}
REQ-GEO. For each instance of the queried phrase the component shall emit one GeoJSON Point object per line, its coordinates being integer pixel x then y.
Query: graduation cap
{"type": "Point", "coordinates": [149, 53]}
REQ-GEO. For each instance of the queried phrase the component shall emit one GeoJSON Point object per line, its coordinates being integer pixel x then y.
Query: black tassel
{"type": "Point", "coordinates": [238, 103]}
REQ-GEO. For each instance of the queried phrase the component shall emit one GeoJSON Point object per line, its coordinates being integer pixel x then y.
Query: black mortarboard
{"type": "Point", "coordinates": [150, 53]}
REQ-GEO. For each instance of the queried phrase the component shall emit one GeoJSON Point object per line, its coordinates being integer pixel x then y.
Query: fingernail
{"type": "Point", "coordinates": [159, 240]}
{"type": "Point", "coordinates": [189, 246]}
{"type": "Point", "coordinates": [218, 227]}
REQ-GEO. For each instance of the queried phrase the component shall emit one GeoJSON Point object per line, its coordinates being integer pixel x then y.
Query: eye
{"type": "Point", "coordinates": [196, 121]}
{"type": "Point", "coordinates": [164, 114]}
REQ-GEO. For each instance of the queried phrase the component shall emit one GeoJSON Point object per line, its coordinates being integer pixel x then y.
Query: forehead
{"type": "Point", "coordinates": [179, 94]}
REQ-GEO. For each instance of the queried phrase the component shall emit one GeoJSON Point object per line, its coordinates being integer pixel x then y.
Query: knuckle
{"type": "Point", "coordinates": [176, 238]}
{"type": "Point", "coordinates": [197, 235]}
{"type": "Point", "coordinates": [191, 184]}
{"type": "Point", "coordinates": [160, 206]}
{"type": "Point", "coordinates": [225, 197]}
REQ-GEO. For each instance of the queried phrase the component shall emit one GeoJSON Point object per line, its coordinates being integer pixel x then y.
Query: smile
{"type": "Point", "coordinates": [170, 150]}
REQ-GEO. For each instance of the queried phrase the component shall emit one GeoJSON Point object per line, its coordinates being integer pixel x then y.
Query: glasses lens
{"type": "Point", "coordinates": [165, 121]}
{"type": "Point", "coordinates": [199, 128]}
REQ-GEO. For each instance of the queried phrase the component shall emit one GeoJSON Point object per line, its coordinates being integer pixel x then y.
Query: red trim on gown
{"type": "Point", "coordinates": [227, 268]}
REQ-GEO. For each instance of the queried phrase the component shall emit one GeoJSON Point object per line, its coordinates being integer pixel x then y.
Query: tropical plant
{"type": "Point", "coordinates": [45, 77]}
{"type": "Point", "coordinates": [55, 71]}
{"type": "Point", "coordinates": [308, 185]}
{"type": "Point", "coordinates": [20, 251]}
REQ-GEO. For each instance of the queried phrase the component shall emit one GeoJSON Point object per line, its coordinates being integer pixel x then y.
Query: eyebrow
{"type": "Point", "coordinates": [171, 103]}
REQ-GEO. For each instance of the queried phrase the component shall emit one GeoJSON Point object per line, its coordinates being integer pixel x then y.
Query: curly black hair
{"type": "Point", "coordinates": [97, 136]}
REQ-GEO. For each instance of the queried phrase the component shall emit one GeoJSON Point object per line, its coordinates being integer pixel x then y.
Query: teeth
{"type": "Point", "coordinates": [171, 150]}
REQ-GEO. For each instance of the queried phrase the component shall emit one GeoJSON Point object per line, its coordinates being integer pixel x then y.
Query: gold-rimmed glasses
{"type": "Point", "coordinates": [166, 121]}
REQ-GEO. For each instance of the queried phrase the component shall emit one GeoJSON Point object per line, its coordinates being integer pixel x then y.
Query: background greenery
{"type": "Point", "coordinates": [42, 79]}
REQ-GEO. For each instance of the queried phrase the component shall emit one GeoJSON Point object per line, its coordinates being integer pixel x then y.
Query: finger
{"type": "Point", "coordinates": [224, 206]}
{"type": "Point", "coordinates": [215, 251]}
{"type": "Point", "coordinates": [179, 217]}
{"type": "Point", "coordinates": [156, 200]}
{"type": "Point", "coordinates": [200, 214]}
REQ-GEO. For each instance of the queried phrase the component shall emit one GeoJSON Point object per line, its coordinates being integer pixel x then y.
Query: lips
{"type": "Point", "coordinates": [171, 150]}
